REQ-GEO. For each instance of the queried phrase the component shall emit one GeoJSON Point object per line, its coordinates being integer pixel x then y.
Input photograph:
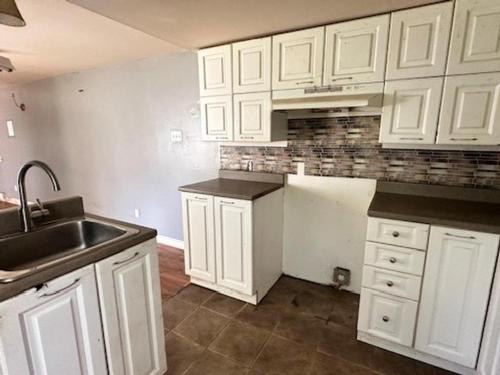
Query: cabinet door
{"type": "Point", "coordinates": [298, 59]}
{"type": "Point", "coordinates": [252, 117]}
{"type": "Point", "coordinates": [470, 110]}
{"type": "Point", "coordinates": [252, 65]}
{"type": "Point", "coordinates": [130, 300]}
{"type": "Point", "coordinates": [199, 241]}
{"type": "Point", "coordinates": [54, 330]}
{"type": "Point", "coordinates": [214, 70]}
{"type": "Point", "coordinates": [418, 42]}
{"type": "Point", "coordinates": [475, 39]}
{"type": "Point", "coordinates": [233, 239]}
{"type": "Point", "coordinates": [411, 110]}
{"type": "Point", "coordinates": [217, 118]}
{"type": "Point", "coordinates": [455, 292]}
{"type": "Point", "coordinates": [388, 317]}
{"type": "Point", "coordinates": [355, 51]}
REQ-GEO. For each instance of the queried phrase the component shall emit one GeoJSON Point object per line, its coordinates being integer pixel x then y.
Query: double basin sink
{"type": "Point", "coordinates": [27, 253]}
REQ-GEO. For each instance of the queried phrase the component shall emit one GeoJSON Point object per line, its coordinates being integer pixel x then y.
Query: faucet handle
{"type": "Point", "coordinates": [39, 204]}
{"type": "Point", "coordinates": [41, 211]}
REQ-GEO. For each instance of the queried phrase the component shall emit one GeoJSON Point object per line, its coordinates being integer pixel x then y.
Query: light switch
{"type": "Point", "coordinates": [10, 128]}
{"type": "Point", "coordinates": [176, 136]}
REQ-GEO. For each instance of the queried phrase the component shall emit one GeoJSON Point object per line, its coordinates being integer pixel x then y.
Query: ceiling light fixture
{"type": "Point", "coordinates": [9, 14]}
{"type": "Point", "coordinates": [6, 65]}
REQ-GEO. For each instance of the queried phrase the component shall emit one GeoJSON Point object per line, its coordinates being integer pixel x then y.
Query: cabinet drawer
{"type": "Point", "coordinates": [395, 258]}
{"type": "Point", "coordinates": [388, 317]}
{"type": "Point", "coordinates": [395, 283]}
{"type": "Point", "coordinates": [395, 232]}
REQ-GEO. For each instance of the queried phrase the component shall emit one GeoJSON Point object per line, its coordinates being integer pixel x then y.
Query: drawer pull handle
{"type": "Point", "coordinates": [304, 82]}
{"type": "Point", "coordinates": [395, 234]}
{"type": "Point", "coordinates": [385, 318]}
{"type": "Point", "coordinates": [392, 260]}
{"type": "Point", "coordinates": [390, 284]}
{"type": "Point", "coordinates": [340, 79]}
{"type": "Point", "coordinates": [62, 289]}
{"type": "Point", "coordinates": [226, 202]}
{"type": "Point", "coordinates": [126, 260]}
{"type": "Point", "coordinates": [200, 198]}
{"type": "Point", "coordinates": [458, 236]}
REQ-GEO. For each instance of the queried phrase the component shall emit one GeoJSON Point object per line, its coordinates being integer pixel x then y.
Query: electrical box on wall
{"type": "Point", "coordinates": [341, 276]}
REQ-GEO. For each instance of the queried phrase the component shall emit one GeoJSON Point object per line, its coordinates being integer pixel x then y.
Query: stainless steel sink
{"type": "Point", "coordinates": [27, 253]}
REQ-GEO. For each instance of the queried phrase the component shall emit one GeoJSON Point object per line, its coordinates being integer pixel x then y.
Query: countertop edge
{"type": "Point", "coordinates": [494, 229]}
{"type": "Point", "coordinates": [10, 290]}
{"type": "Point", "coordinates": [229, 195]}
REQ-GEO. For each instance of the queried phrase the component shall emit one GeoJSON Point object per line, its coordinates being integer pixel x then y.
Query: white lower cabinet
{"type": "Point", "coordinates": [74, 325]}
{"type": "Point", "coordinates": [54, 330]}
{"type": "Point", "coordinates": [247, 237]}
{"type": "Point", "coordinates": [434, 313]}
{"type": "Point", "coordinates": [233, 244]}
{"type": "Point", "coordinates": [455, 293]}
{"type": "Point", "coordinates": [199, 236]}
{"type": "Point", "coordinates": [129, 293]}
{"type": "Point", "coordinates": [387, 316]}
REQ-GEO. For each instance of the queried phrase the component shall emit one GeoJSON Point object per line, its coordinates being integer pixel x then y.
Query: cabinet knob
{"type": "Point", "coordinates": [395, 234]}
{"type": "Point", "coordinates": [385, 318]}
{"type": "Point", "coordinates": [392, 260]}
{"type": "Point", "coordinates": [390, 284]}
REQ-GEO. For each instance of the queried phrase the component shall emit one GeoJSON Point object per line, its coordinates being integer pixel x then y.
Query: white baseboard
{"type": "Point", "coordinates": [169, 241]}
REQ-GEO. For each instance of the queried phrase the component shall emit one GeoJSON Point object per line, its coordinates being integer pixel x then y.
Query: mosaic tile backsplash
{"type": "Point", "coordinates": [348, 147]}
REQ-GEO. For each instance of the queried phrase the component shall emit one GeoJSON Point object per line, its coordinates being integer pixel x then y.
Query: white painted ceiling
{"type": "Point", "coordinates": [67, 36]}
{"type": "Point", "coordinates": [201, 23]}
{"type": "Point", "coordinates": [61, 37]}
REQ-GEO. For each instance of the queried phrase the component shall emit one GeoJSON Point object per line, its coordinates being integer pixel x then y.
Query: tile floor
{"type": "Point", "coordinates": [300, 328]}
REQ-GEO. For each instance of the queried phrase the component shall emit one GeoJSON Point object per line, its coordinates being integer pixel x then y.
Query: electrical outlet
{"type": "Point", "coordinates": [341, 276]}
{"type": "Point", "coordinates": [137, 213]}
{"type": "Point", "coordinates": [10, 128]}
{"type": "Point", "coordinates": [301, 169]}
{"type": "Point", "coordinates": [176, 136]}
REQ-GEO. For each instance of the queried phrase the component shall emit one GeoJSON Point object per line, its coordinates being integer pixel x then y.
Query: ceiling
{"type": "Point", "coordinates": [200, 23]}
{"type": "Point", "coordinates": [67, 36]}
{"type": "Point", "coordinates": [61, 37]}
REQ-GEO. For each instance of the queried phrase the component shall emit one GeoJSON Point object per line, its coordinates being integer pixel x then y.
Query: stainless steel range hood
{"type": "Point", "coordinates": [333, 96]}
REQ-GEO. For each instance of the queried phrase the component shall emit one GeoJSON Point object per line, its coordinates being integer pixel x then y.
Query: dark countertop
{"type": "Point", "coordinates": [100, 252]}
{"type": "Point", "coordinates": [238, 185]}
{"type": "Point", "coordinates": [472, 209]}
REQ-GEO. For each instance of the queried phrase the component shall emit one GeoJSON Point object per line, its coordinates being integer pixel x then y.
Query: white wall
{"type": "Point", "coordinates": [106, 133]}
{"type": "Point", "coordinates": [325, 226]}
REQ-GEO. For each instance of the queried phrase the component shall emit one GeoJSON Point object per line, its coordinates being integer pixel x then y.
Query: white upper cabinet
{"type": "Point", "coordinates": [470, 111]}
{"type": "Point", "coordinates": [199, 242]}
{"type": "Point", "coordinates": [217, 118]}
{"type": "Point", "coordinates": [233, 238]}
{"type": "Point", "coordinates": [298, 59]}
{"type": "Point", "coordinates": [455, 293]}
{"type": "Point", "coordinates": [252, 65]}
{"type": "Point", "coordinates": [355, 51]}
{"type": "Point", "coordinates": [475, 40]}
{"type": "Point", "coordinates": [254, 120]}
{"type": "Point", "coordinates": [252, 117]}
{"type": "Point", "coordinates": [418, 42]}
{"type": "Point", "coordinates": [411, 110]}
{"type": "Point", "coordinates": [214, 70]}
